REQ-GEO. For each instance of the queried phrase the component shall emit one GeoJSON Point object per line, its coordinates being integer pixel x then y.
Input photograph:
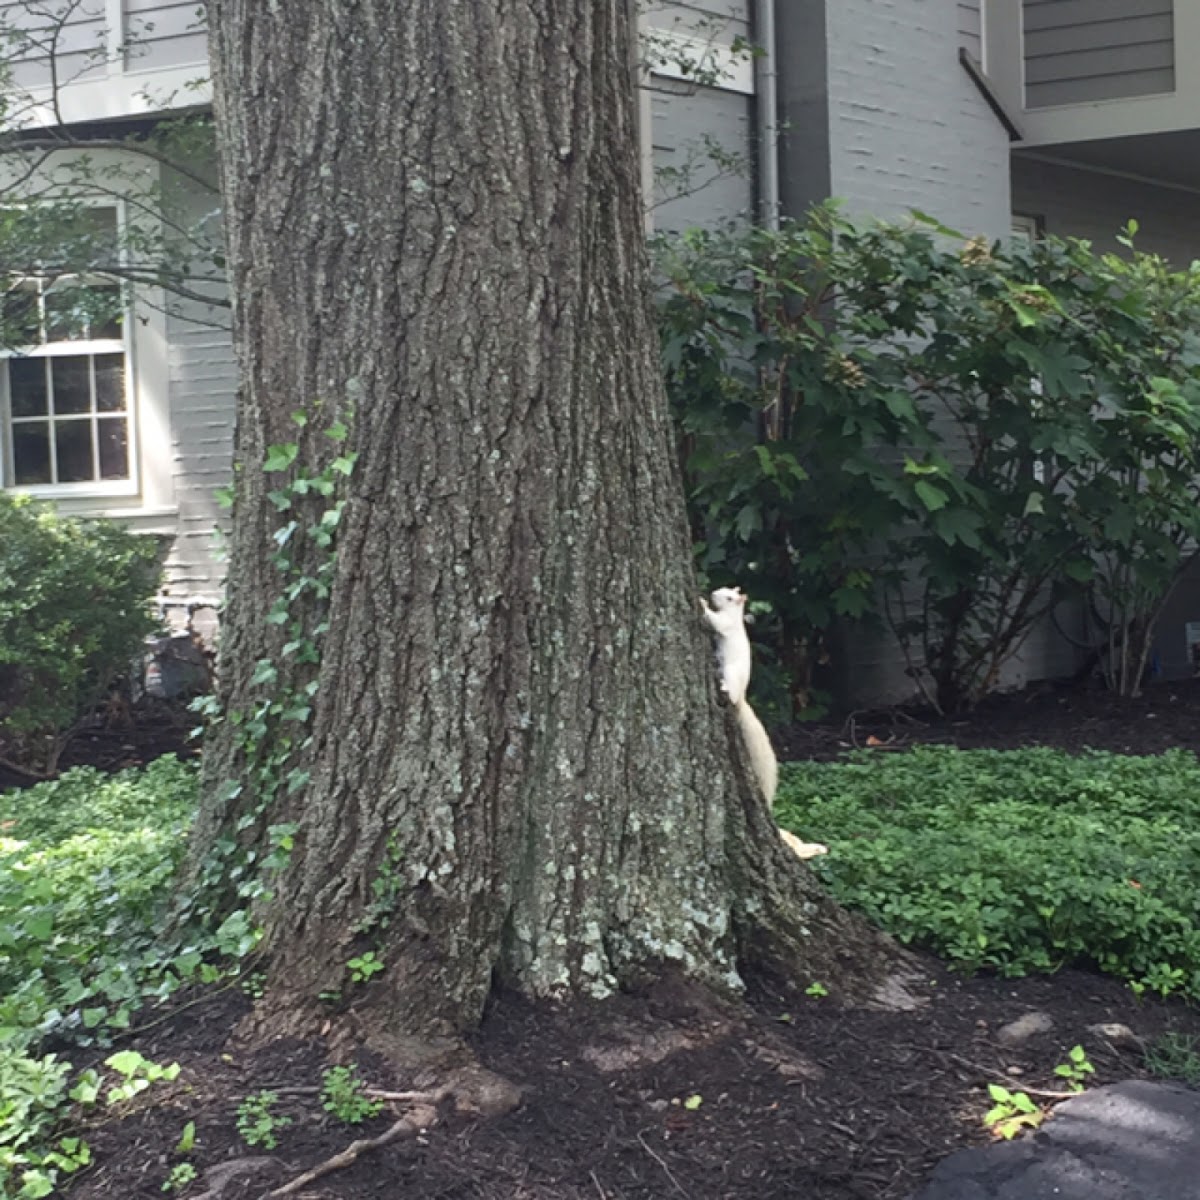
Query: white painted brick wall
{"type": "Point", "coordinates": [908, 127]}
{"type": "Point", "coordinates": [909, 130]}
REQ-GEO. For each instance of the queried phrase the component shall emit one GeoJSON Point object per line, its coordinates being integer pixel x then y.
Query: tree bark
{"type": "Point", "coordinates": [435, 234]}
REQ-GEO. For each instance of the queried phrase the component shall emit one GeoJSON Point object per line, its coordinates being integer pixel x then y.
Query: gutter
{"type": "Point", "coordinates": [988, 91]}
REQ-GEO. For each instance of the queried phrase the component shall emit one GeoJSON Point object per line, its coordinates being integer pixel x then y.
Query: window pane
{"type": "Point", "coordinates": [104, 309]}
{"type": "Point", "coordinates": [31, 452]}
{"type": "Point", "coordinates": [98, 224]}
{"type": "Point", "coordinates": [20, 318]}
{"type": "Point", "coordinates": [114, 447]}
{"type": "Point", "coordinates": [27, 386]}
{"type": "Point", "coordinates": [66, 314]}
{"type": "Point", "coordinates": [73, 445]}
{"type": "Point", "coordinates": [110, 382]}
{"type": "Point", "coordinates": [72, 378]}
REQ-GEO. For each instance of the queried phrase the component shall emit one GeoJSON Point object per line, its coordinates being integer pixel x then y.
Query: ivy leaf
{"type": "Point", "coordinates": [280, 457]}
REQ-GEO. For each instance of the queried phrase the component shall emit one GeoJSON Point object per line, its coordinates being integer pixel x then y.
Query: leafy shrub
{"type": "Point", "coordinates": [74, 610]}
{"type": "Point", "coordinates": [887, 422]}
{"type": "Point", "coordinates": [1016, 861]}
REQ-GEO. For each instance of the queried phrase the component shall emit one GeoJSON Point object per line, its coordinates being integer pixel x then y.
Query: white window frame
{"type": "Point", "coordinates": [87, 489]}
{"type": "Point", "coordinates": [1026, 228]}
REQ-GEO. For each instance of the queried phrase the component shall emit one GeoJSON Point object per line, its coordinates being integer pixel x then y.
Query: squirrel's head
{"type": "Point", "coordinates": [730, 597]}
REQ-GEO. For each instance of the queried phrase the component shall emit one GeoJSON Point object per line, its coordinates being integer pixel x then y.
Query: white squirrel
{"type": "Point", "coordinates": [727, 619]}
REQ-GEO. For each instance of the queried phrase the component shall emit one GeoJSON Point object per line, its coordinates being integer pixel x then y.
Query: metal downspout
{"type": "Point", "coordinates": [766, 113]}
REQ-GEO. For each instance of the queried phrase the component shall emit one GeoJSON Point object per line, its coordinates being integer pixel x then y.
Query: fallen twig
{"type": "Point", "coordinates": [36, 776]}
{"type": "Point", "coordinates": [662, 1163]}
{"type": "Point", "coordinates": [417, 1121]}
{"type": "Point", "coordinates": [434, 1098]}
{"type": "Point", "coordinates": [1014, 1083]}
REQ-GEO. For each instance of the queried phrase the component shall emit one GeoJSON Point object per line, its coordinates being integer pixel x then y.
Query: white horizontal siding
{"type": "Point", "coordinates": [164, 33]}
{"type": "Point", "coordinates": [970, 28]}
{"type": "Point", "coordinates": [203, 384]}
{"type": "Point", "coordinates": [45, 40]}
{"type": "Point", "coordinates": [722, 19]}
{"type": "Point", "coordinates": [1078, 51]}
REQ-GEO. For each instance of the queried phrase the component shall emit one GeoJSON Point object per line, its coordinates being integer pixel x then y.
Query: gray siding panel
{"type": "Point", "coordinates": [1054, 14]}
{"type": "Point", "coordinates": [688, 122]}
{"type": "Point", "coordinates": [1074, 202]}
{"type": "Point", "coordinates": [164, 33]}
{"type": "Point", "coordinates": [970, 28]}
{"type": "Point", "coordinates": [1106, 87]}
{"type": "Point", "coordinates": [1111, 36]}
{"type": "Point", "coordinates": [691, 189]}
{"type": "Point", "coordinates": [1077, 51]}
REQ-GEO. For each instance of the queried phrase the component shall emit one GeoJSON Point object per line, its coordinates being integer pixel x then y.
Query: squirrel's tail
{"type": "Point", "coordinates": [758, 746]}
{"type": "Point", "coordinates": [766, 771]}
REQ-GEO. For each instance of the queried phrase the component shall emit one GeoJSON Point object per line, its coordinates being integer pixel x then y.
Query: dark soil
{"type": "Point", "coordinates": [795, 1100]}
{"type": "Point", "coordinates": [1069, 717]}
{"type": "Point", "coordinates": [666, 1094]}
{"type": "Point", "coordinates": [118, 736]}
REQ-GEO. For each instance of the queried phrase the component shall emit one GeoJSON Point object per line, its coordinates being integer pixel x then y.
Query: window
{"type": "Point", "coordinates": [67, 419]}
{"type": "Point", "coordinates": [1025, 228]}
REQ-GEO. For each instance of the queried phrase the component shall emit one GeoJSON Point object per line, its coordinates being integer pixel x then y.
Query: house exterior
{"type": "Point", "coordinates": [998, 117]}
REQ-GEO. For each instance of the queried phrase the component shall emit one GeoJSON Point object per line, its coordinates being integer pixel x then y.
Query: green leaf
{"type": "Point", "coordinates": [35, 1184]}
{"type": "Point", "coordinates": [912, 467]}
{"type": "Point", "coordinates": [125, 1062]}
{"type": "Point", "coordinates": [955, 525]}
{"type": "Point", "coordinates": [749, 522]}
{"type": "Point", "coordinates": [930, 495]}
{"type": "Point", "coordinates": [280, 457]}
{"type": "Point", "coordinates": [187, 1139]}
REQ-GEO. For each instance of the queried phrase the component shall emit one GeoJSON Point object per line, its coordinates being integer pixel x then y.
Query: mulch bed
{"type": "Point", "coordinates": [798, 1098]}
{"type": "Point", "coordinates": [119, 737]}
{"type": "Point", "coordinates": [1070, 717]}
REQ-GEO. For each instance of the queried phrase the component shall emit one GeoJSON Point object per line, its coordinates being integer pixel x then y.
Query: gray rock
{"type": "Point", "coordinates": [1132, 1141]}
{"type": "Point", "coordinates": [1119, 1036]}
{"type": "Point", "coordinates": [1024, 1028]}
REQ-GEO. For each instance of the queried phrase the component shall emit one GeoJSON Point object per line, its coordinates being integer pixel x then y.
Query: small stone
{"type": "Point", "coordinates": [659, 1106]}
{"type": "Point", "coordinates": [1121, 1037]}
{"type": "Point", "coordinates": [1015, 1071]}
{"type": "Point", "coordinates": [1024, 1028]}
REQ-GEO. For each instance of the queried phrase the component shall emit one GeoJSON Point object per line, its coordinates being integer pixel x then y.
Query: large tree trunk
{"type": "Point", "coordinates": [515, 746]}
